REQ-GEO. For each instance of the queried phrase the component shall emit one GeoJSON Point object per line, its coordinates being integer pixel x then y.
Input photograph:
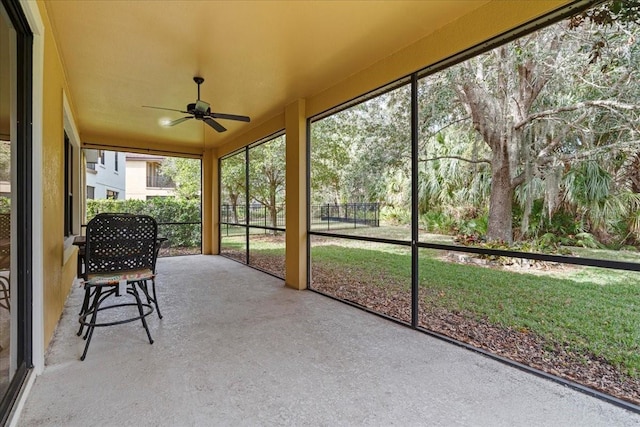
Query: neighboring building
{"type": "Point", "coordinates": [144, 179]}
{"type": "Point", "coordinates": [106, 178]}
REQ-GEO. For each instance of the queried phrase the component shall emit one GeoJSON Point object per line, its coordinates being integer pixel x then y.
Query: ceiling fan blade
{"type": "Point", "coordinates": [230, 117]}
{"type": "Point", "coordinates": [177, 121]}
{"type": "Point", "coordinates": [217, 126]}
{"type": "Point", "coordinates": [167, 109]}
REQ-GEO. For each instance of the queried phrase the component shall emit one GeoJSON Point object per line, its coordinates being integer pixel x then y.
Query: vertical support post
{"type": "Point", "coordinates": [296, 195]}
{"type": "Point", "coordinates": [247, 210]}
{"type": "Point", "coordinates": [328, 218]}
{"type": "Point", "coordinates": [210, 203]}
{"type": "Point", "coordinates": [415, 252]}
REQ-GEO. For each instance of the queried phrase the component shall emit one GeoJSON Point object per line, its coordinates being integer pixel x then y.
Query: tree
{"type": "Point", "coordinates": [362, 153]}
{"type": "Point", "coordinates": [233, 183]}
{"type": "Point", "coordinates": [267, 176]}
{"type": "Point", "coordinates": [543, 102]}
{"type": "Point", "coordinates": [504, 131]}
{"type": "Point", "coordinates": [185, 173]}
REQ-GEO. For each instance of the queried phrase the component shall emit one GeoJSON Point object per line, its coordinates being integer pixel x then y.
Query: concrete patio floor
{"type": "Point", "coordinates": [237, 348]}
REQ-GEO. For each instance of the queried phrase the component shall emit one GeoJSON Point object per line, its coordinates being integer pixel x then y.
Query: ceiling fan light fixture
{"type": "Point", "coordinates": [201, 106]}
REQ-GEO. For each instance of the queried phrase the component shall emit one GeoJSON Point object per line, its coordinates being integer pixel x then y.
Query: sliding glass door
{"type": "Point", "coordinates": [15, 203]}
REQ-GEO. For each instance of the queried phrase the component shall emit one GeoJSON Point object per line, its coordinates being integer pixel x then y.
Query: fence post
{"type": "Point", "coordinates": [328, 215]}
{"type": "Point", "coordinates": [366, 211]}
{"type": "Point", "coordinates": [355, 215]}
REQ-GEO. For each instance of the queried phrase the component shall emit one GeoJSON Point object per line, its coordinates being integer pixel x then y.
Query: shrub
{"type": "Point", "coordinates": [395, 215]}
{"type": "Point", "coordinates": [438, 222]}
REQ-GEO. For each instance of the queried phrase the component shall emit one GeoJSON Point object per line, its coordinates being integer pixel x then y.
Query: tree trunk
{"type": "Point", "coordinates": [272, 206]}
{"type": "Point", "coordinates": [234, 207]}
{"type": "Point", "coordinates": [501, 198]}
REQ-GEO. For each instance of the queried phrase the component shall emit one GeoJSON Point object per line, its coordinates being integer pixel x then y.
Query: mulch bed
{"type": "Point", "coordinates": [177, 251]}
{"type": "Point", "coordinates": [518, 345]}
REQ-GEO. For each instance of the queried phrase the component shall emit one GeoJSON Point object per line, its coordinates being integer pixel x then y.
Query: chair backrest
{"type": "Point", "coordinates": [5, 225]}
{"type": "Point", "coordinates": [5, 241]}
{"type": "Point", "coordinates": [120, 241]}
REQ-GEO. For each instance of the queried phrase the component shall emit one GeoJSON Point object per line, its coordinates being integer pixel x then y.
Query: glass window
{"type": "Point", "coordinates": [68, 187]}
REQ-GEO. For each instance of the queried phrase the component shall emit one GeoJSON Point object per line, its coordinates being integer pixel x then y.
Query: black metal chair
{"type": "Point", "coordinates": [143, 285]}
{"type": "Point", "coordinates": [5, 260]}
{"type": "Point", "coordinates": [120, 256]}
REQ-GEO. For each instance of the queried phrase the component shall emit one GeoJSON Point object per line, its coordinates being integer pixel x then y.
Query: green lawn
{"type": "Point", "coordinates": [589, 310]}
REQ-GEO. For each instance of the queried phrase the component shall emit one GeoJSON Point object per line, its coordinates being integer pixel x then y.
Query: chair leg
{"type": "Point", "coordinates": [141, 311]}
{"type": "Point", "coordinates": [85, 306]}
{"type": "Point", "coordinates": [150, 299]}
{"type": "Point", "coordinates": [94, 315]}
{"type": "Point", "coordinates": [5, 296]}
{"type": "Point", "coordinates": [155, 298]}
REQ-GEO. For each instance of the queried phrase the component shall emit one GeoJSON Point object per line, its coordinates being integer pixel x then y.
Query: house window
{"type": "Point", "coordinates": [68, 186]}
{"type": "Point", "coordinates": [91, 166]}
{"type": "Point", "coordinates": [155, 178]}
{"type": "Point", "coordinates": [113, 195]}
{"type": "Point", "coordinates": [101, 157]}
{"type": "Point", "coordinates": [91, 192]}
{"type": "Point", "coordinates": [115, 159]}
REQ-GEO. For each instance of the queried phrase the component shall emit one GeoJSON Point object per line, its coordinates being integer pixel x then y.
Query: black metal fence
{"type": "Point", "coordinates": [259, 215]}
{"type": "Point", "coordinates": [326, 217]}
{"type": "Point", "coordinates": [348, 215]}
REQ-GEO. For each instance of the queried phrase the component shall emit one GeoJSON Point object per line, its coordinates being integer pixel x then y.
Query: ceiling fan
{"type": "Point", "coordinates": [201, 110]}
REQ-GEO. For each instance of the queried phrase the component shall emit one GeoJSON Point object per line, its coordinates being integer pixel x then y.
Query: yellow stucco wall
{"type": "Point", "coordinates": [58, 274]}
{"type": "Point", "coordinates": [490, 20]}
{"type": "Point", "coordinates": [210, 203]}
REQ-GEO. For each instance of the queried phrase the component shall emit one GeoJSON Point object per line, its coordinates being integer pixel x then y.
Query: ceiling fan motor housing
{"type": "Point", "coordinates": [199, 109]}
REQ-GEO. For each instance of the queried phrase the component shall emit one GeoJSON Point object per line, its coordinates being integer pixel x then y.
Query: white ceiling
{"type": "Point", "coordinates": [256, 57]}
